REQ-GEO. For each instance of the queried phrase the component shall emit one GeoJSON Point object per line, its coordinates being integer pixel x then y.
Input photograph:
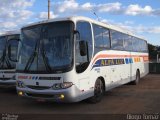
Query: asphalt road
{"type": "Point", "coordinates": [141, 98]}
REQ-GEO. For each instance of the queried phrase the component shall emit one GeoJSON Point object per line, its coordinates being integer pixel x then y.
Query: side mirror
{"type": "Point", "coordinates": [83, 46]}
{"type": "Point", "coordinates": [77, 34]}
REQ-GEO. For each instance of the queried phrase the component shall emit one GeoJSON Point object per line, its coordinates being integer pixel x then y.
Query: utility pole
{"type": "Point", "coordinates": [48, 9]}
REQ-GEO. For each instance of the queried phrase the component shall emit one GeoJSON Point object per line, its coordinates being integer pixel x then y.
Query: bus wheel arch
{"type": "Point", "coordinates": [99, 89]}
{"type": "Point", "coordinates": [103, 81]}
{"type": "Point", "coordinates": [136, 81]}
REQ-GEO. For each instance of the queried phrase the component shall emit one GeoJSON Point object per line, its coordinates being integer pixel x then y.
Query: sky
{"type": "Point", "coordinates": [142, 17]}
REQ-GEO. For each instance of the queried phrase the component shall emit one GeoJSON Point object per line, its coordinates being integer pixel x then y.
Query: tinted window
{"type": "Point", "coordinates": [101, 38]}
{"type": "Point", "coordinates": [47, 48]}
{"type": "Point", "coordinates": [84, 29]}
{"type": "Point", "coordinates": [2, 45]}
{"type": "Point", "coordinates": [117, 40]}
{"type": "Point", "coordinates": [127, 43]}
{"type": "Point", "coordinates": [143, 44]}
{"type": "Point", "coordinates": [136, 44]}
{"type": "Point", "coordinates": [13, 47]}
{"type": "Point", "coordinates": [85, 33]}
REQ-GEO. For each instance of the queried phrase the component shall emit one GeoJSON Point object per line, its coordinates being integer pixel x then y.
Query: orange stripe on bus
{"type": "Point", "coordinates": [145, 57]}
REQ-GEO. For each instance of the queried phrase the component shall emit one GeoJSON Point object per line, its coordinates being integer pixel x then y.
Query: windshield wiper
{"type": "Point", "coordinates": [34, 54]}
{"type": "Point", "coordinates": [30, 61]}
{"type": "Point", "coordinates": [38, 46]}
{"type": "Point", "coordinates": [32, 57]}
{"type": "Point", "coordinates": [4, 59]}
{"type": "Point", "coordinates": [45, 59]}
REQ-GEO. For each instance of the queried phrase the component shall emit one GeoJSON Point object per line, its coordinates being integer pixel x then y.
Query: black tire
{"type": "Point", "coordinates": [136, 81]}
{"type": "Point", "coordinates": [98, 92]}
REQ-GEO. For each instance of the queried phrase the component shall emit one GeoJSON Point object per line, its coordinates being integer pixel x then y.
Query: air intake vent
{"type": "Point", "coordinates": [49, 78]}
{"type": "Point", "coordinates": [5, 79]}
{"type": "Point", "coordinates": [39, 95]}
{"type": "Point", "coordinates": [38, 87]}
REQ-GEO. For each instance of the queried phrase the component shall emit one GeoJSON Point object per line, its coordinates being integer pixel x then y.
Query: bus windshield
{"type": "Point", "coordinates": [2, 45]}
{"type": "Point", "coordinates": [5, 63]}
{"type": "Point", "coordinates": [47, 48]}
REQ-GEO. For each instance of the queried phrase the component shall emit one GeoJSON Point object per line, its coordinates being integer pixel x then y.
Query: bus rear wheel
{"type": "Point", "coordinates": [136, 81]}
{"type": "Point", "coordinates": [98, 92]}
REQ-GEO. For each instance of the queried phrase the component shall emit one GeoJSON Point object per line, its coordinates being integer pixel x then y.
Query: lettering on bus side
{"type": "Point", "coordinates": [108, 62]}
{"type": "Point", "coordinates": [128, 60]}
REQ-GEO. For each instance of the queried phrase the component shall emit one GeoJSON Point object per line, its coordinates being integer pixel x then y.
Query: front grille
{"type": "Point", "coordinates": [5, 79]}
{"type": "Point", "coordinates": [49, 78]}
{"type": "Point", "coordinates": [38, 87]}
{"type": "Point", "coordinates": [39, 95]}
{"type": "Point", "coordinates": [9, 72]}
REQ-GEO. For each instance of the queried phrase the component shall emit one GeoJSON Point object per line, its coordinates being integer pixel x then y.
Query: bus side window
{"type": "Point", "coordinates": [117, 40]}
{"type": "Point", "coordinates": [101, 38]}
{"type": "Point", "coordinates": [143, 45]}
{"type": "Point", "coordinates": [82, 62]}
{"type": "Point", "coordinates": [127, 43]}
{"type": "Point", "coordinates": [13, 50]}
{"type": "Point", "coordinates": [136, 44]}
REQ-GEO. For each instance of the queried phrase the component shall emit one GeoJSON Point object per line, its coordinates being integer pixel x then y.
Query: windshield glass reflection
{"type": "Point", "coordinates": [47, 47]}
{"type": "Point", "coordinates": [5, 63]}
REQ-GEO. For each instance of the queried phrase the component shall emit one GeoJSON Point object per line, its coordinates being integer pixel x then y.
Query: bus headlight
{"type": "Point", "coordinates": [20, 84]}
{"type": "Point", "coordinates": [66, 85]}
{"type": "Point", "coordinates": [62, 85]}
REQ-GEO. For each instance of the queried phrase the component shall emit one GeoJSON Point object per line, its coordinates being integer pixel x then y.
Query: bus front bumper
{"type": "Point", "coordinates": [72, 94]}
{"type": "Point", "coordinates": [10, 82]}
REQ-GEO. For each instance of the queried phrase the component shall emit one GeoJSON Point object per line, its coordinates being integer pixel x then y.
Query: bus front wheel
{"type": "Point", "coordinates": [98, 92]}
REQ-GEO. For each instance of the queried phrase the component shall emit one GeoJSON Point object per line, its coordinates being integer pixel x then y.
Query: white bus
{"type": "Point", "coordinates": [8, 47]}
{"type": "Point", "coordinates": [75, 58]}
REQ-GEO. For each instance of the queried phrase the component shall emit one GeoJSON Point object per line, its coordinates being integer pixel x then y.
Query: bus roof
{"type": "Point", "coordinates": [76, 18]}
{"type": "Point", "coordinates": [11, 33]}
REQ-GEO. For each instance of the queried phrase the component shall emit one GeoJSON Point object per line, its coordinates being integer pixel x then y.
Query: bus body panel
{"type": "Point", "coordinates": [73, 94]}
{"type": "Point", "coordinates": [7, 74]}
{"type": "Point", "coordinates": [6, 77]}
{"type": "Point", "coordinates": [115, 67]}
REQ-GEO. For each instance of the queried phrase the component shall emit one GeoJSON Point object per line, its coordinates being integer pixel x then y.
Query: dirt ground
{"type": "Point", "coordinates": [135, 99]}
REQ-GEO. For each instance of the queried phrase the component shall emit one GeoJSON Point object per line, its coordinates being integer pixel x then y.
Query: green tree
{"type": "Point", "coordinates": [153, 51]}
